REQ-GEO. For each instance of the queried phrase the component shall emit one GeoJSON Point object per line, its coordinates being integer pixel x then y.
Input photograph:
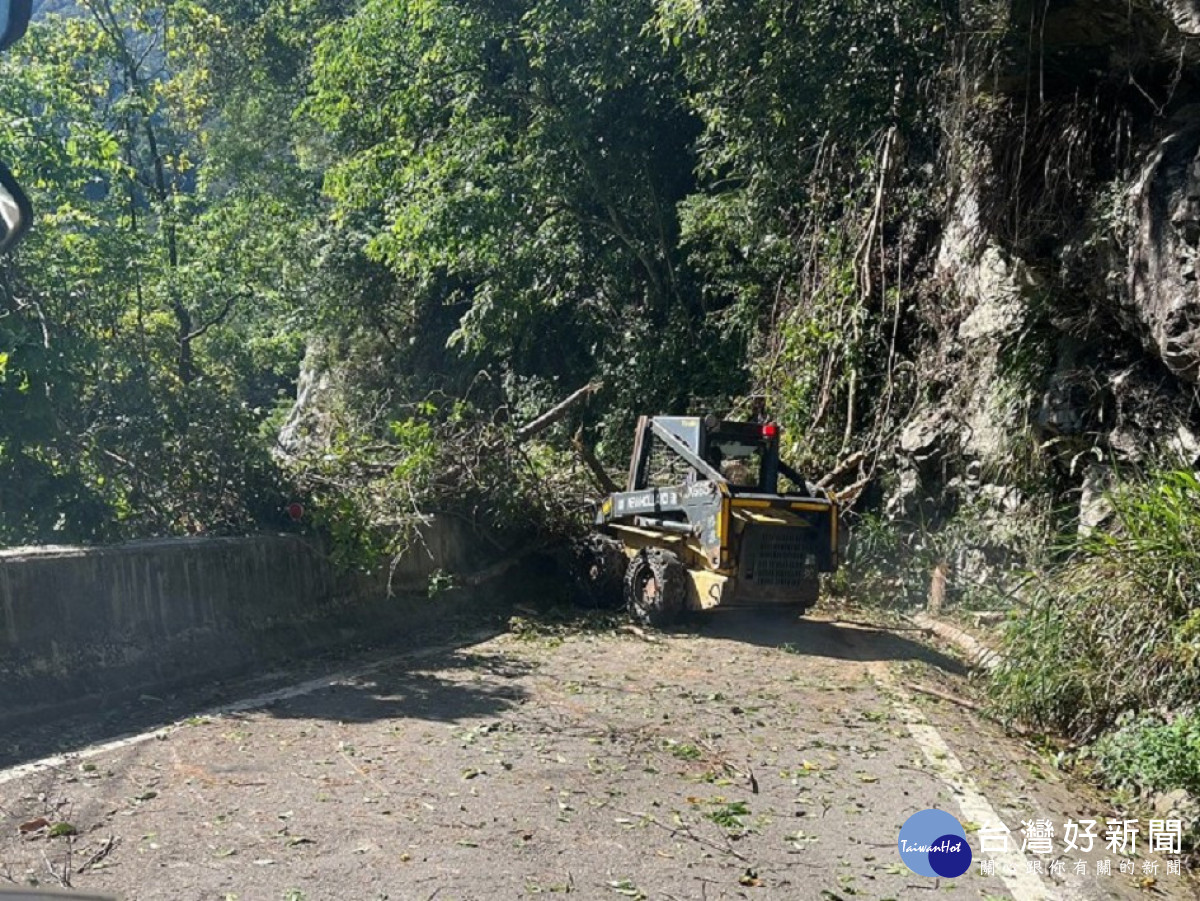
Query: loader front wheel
{"type": "Point", "coordinates": [597, 570]}
{"type": "Point", "coordinates": [655, 587]}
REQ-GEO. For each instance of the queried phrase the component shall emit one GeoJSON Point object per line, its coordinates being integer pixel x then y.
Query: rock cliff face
{"type": "Point", "coordinates": [1068, 273]}
{"type": "Point", "coordinates": [1163, 293]}
{"type": "Point", "coordinates": [1185, 14]}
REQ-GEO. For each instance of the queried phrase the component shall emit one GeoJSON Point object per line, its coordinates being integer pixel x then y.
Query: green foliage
{"type": "Point", "coordinates": [141, 320]}
{"type": "Point", "coordinates": [368, 491]}
{"type": "Point", "coordinates": [440, 581]}
{"type": "Point", "coordinates": [817, 349]}
{"type": "Point", "coordinates": [776, 82]}
{"type": "Point", "coordinates": [372, 482]}
{"type": "Point", "coordinates": [517, 168]}
{"type": "Point", "coordinates": [984, 555]}
{"type": "Point", "coordinates": [884, 567]}
{"type": "Point", "coordinates": [686, 201]}
{"type": "Point", "coordinates": [729, 816]}
{"type": "Point", "coordinates": [684, 750]}
{"type": "Point", "coordinates": [1146, 754]}
{"type": "Point", "coordinates": [814, 114]}
{"type": "Point", "coordinates": [1115, 629]}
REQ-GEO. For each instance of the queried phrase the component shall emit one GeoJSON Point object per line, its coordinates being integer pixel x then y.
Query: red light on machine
{"type": "Point", "coordinates": [770, 431]}
{"type": "Point", "coordinates": [295, 511]}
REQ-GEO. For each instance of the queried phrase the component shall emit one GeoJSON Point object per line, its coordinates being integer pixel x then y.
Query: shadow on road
{"type": "Point", "coordinates": [445, 688]}
{"type": "Point", "coordinates": [784, 630]}
{"type": "Point", "coordinates": [404, 686]}
{"type": "Point", "coordinates": [448, 685]}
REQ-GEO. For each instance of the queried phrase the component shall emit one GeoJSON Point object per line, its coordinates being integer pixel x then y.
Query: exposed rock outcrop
{"type": "Point", "coordinates": [1164, 279]}
{"type": "Point", "coordinates": [1184, 13]}
{"type": "Point", "coordinates": [306, 421]}
{"type": "Point", "coordinates": [1065, 343]}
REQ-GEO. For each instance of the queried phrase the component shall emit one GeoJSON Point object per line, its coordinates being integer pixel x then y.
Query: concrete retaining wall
{"type": "Point", "coordinates": [82, 622]}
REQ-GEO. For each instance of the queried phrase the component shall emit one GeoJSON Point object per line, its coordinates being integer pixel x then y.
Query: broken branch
{"type": "Point", "coordinates": [941, 695]}
{"type": "Point", "coordinates": [848, 465]}
{"type": "Point", "coordinates": [104, 851]}
{"type": "Point", "coordinates": [588, 456]}
{"type": "Point", "coordinates": [554, 414]}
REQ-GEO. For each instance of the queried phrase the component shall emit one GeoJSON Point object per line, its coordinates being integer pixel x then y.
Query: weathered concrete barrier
{"type": "Point", "coordinates": [80, 622]}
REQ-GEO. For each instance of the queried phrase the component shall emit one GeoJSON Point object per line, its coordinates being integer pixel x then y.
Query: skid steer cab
{"type": "Point", "coordinates": [711, 517]}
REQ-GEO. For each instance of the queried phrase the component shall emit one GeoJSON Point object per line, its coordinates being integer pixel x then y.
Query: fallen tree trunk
{"type": "Point", "coordinates": [978, 654]}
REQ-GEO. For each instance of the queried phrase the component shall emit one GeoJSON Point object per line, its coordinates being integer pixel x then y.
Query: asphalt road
{"type": "Point", "coordinates": [752, 755]}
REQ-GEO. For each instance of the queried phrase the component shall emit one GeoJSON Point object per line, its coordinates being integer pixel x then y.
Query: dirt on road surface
{"type": "Point", "coordinates": [752, 756]}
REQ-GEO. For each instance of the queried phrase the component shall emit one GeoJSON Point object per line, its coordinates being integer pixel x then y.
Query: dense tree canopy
{"type": "Point", "coordinates": [461, 206]}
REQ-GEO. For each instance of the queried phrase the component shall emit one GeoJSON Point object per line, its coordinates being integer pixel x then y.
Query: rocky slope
{"type": "Point", "coordinates": [1065, 340]}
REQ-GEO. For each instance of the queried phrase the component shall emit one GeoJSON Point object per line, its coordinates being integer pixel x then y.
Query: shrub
{"type": "Point", "coordinates": [1116, 627]}
{"type": "Point", "coordinates": [1148, 755]}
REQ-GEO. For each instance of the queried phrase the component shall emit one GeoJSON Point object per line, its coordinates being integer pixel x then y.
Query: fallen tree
{"type": "Point", "coordinates": [371, 485]}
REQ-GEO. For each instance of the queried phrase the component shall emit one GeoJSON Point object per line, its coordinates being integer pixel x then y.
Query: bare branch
{"type": "Point", "coordinates": [588, 456]}
{"type": "Point", "coordinates": [220, 317]}
{"type": "Point", "coordinates": [102, 853]}
{"type": "Point", "coordinates": [844, 468]}
{"type": "Point", "coordinates": [554, 414]}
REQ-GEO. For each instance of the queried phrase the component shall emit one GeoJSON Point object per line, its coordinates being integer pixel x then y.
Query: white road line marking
{"type": "Point", "coordinates": [1010, 865]}
{"type": "Point", "coordinates": [58, 761]}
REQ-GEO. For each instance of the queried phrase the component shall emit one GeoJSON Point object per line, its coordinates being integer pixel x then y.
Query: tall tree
{"type": "Point", "coordinates": [814, 114]}
{"type": "Point", "coordinates": [523, 162]}
{"type": "Point", "coordinates": [124, 297]}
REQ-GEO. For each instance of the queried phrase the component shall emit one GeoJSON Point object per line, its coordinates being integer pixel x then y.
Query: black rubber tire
{"type": "Point", "coordinates": [597, 572]}
{"type": "Point", "coordinates": [809, 593]}
{"type": "Point", "coordinates": [655, 587]}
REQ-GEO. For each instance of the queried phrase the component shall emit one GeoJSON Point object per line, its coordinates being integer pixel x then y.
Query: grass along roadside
{"type": "Point", "coordinates": [1108, 651]}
